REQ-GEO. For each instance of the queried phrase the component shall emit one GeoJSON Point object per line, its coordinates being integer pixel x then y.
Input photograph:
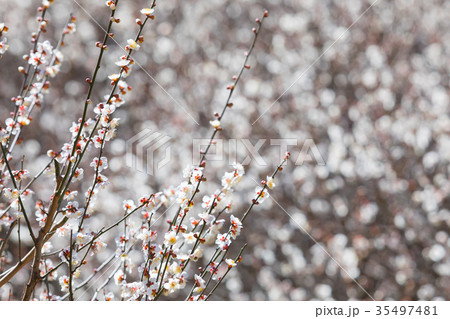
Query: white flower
{"type": "Point", "coordinates": [197, 254]}
{"type": "Point", "coordinates": [148, 12]}
{"type": "Point", "coordinates": [147, 235]}
{"type": "Point", "coordinates": [100, 164]}
{"type": "Point", "coordinates": [98, 246]}
{"type": "Point", "coordinates": [132, 290]}
{"type": "Point", "coordinates": [207, 218]}
{"type": "Point", "coordinates": [128, 205]}
{"type": "Point", "coordinates": [189, 238]}
{"type": "Point", "coordinates": [171, 285]}
{"type": "Point", "coordinates": [64, 282]}
{"type": "Point", "coordinates": [199, 283]}
{"type": "Point", "coordinates": [102, 181]}
{"type": "Point", "coordinates": [174, 268]}
{"type": "Point", "coordinates": [70, 195]}
{"type": "Point", "coordinates": [260, 194]}
{"type": "Point", "coordinates": [20, 174]}
{"type": "Point", "coordinates": [23, 120]}
{"type": "Point", "coordinates": [231, 263]}
{"type": "Point", "coordinates": [81, 239]}
{"type": "Point", "coordinates": [109, 296]}
{"type": "Point", "coordinates": [111, 5]}
{"type": "Point", "coordinates": [11, 194]}
{"type": "Point", "coordinates": [236, 226]}
{"type": "Point", "coordinates": [270, 182]}
{"type": "Point", "coordinates": [63, 230]}
{"type": "Point", "coordinates": [133, 44]}
{"type": "Point", "coordinates": [170, 238]}
{"type": "Point", "coordinates": [119, 277]}
{"type": "Point", "coordinates": [207, 201]}
{"type": "Point", "coordinates": [223, 241]}
{"type": "Point", "coordinates": [123, 62]}
{"type": "Point", "coordinates": [196, 176]}
{"type": "Point", "coordinates": [231, 179]}
{"type": "Point", "coordinates": [71, 28]}
{"type": "Point", "coordinates": [53, 70]}
{"type": "Point", "coordinates": [114, 77]}
{"type": "Point", "coordinates": [78, 174]}
{"type": "Point", "coordinates": [47, 266]}
{"type": "Point", "coordinates": [215, 124]}
{"type": "Point", "coordinates": [11, 125]}
{"type": "Point", "coordinates": [184, 193]}
{"type": "Point", "coordinates": [3, 28]}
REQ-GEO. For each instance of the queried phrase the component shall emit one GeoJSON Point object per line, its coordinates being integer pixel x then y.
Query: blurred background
{"type": "Point", "coordinates": [376, 105]}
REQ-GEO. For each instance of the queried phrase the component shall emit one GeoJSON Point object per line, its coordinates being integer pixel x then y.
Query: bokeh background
{"type": "Point", "coordinates": [376, 104]}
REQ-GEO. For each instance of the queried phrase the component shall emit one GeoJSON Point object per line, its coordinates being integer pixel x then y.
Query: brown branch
{"type": "Point", "coordinates": [10, 273]}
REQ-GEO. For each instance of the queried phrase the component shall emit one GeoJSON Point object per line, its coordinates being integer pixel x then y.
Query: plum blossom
{"type": "Point", "coordinates": [132, 290]}
{"type": "Point", "coordinates": [215, 124]}
{"type": "Point", "coordinates": [223, 241]}
{"type": "Point", "coordinates": [99, 164]}
{"type": "Point", "coordinates": [196, 175]}
{"type": "Point", "coordinates": [190, 238]}
{"type": "Point", "coordinates": [231, 179]}
{"type": "Point", "coordinates": [128, 205]}
{"type": "Point", "coordinates": [170, 238]}
{"type": "Point", "coordinates": [97, 246]}
{"type": "Point", "coordinates": [270, 182]}
{"type": "Point", "coordinates": [235, 227]}
{"type": "Point", "coordinates": [260, 195]}
{"type": "Point", "coordinates": [148, 12]}
{"type": "Point", "coordinates": [184, 193]}
{"type": "Point", "coordinates": [78, 174]}
{"type": "Point", "coordinates": [133, 44]}
{"type": "Point", "coordinates": [230, 262]}
{"type": "Point", "coordinates": [200, 284]}
{"type": "Point", "coordinates": [64, 283]}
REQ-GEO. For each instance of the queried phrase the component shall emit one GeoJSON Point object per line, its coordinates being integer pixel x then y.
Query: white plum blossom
{"type": "Point", "coordinates": [128, 205]}
{"type": "Point", "coordinates": [119, 277]}
{"type": "Point", "coordinates": [78, 174]}
{"type": "Point", "coordinates": [190, 238]}
{"type": "Point", "coordinates": [215, 124]}
{"type": "Point", "coordinates": [64, 283]}
{"type": "Point", "coordinates": [235, 227]}
{"type": "Point", "coordinates": [196, 175]}
{"type": "Point", "coordinates": [97, 246]}
{"type": "Point", "coordinates": [230, 262]}
{"type": "Point", "coordinates": [170, 238]}
{"type": "Point", "coordinates": [132, 290]}
{"type": "Point", "coordinates": [148, 12]}
{"type": "Point", "coordinates": [133, 44]}
{"type": "Point", "coordinates": [270, 182]}
{"type": "Point", "coordinates": [200, 284]}
{"type": "Point", "coordinates": [197, 254]}
{"type": "Point", "coordinates": [231, 179]}
{"type": "Point", "coordinates": [64, 230]}
{"type": "Point", "coordinates": [223, 241]}
{"type": "Point", "coordinates": [99, 164]}
{"type": "Point", "coordinates": [183, 193]}
{"type": "Point", "coordinates": [260, 195]}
